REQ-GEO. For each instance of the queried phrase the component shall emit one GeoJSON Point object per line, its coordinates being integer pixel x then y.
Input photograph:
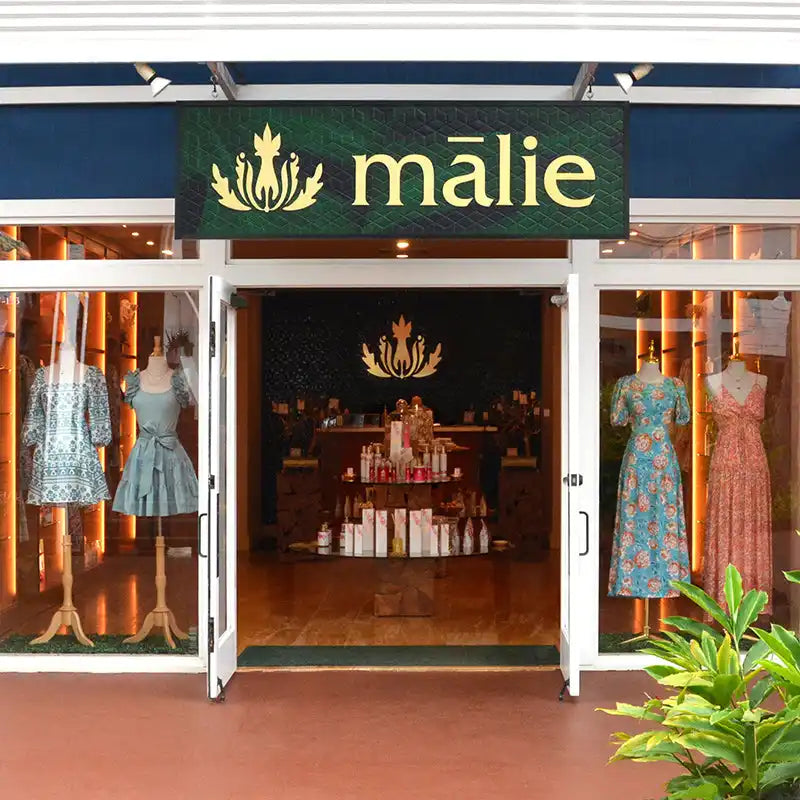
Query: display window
{"type": "Point", "coordinates": [699, 459]}
{"type": "Point", "coordinates": [98, 470]}
{"type": "Point", "coordinates": [705, 241]}
{"type": "Point", "coordinates": [92, 242]}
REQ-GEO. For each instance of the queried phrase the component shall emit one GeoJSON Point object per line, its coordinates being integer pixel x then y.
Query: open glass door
{"type": "Point", "coordinates": [222, 489]}
{"type": "Point", "coordinates": [574, 522]}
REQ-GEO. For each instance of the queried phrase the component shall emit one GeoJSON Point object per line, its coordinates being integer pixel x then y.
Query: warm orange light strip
{"type": "Point", "coordinates": [669, 336]}
{"type": "Point", "coordinates": [698, 432]}
{"type": "Point", "coordinates": [738, 254]}
{"type": "Point", "coordinates": [11, 345]}
{"type": "Point", "coordinates": [642, 342]}
{"type": "Point", "coordinates": [127, 414]}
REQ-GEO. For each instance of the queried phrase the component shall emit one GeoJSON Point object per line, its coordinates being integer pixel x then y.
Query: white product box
{"type": "Point", "coordinates": [415, 533]}
{"type": "Point", "coordinates": [400, 521]}
{"type": "Point", "coordinates": [368, 529]}
{"type": "Point", "coordinates": [381, 532]}
{"type": "Point", "coordinates": [433, 539]}
{"type": "Point", "coordinates": [349, 536]}
{"type": "Point", "coordinates": [444, 539]}
{"type": "Point", "coordinates": [395, 440]}
{"type": "Point", "coordinates": [427, 529]}
{"type": "Point", "coordinates": [358, 540]}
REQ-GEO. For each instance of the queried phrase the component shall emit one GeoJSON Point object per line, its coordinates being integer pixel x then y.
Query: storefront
{"type": "Point", "coordinates": [704, 270]}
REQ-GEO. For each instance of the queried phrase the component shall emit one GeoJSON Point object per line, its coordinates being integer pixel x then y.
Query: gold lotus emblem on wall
{"type": "Point", "coordinates": [273, 185]}
{"type": "Point", "coordinates": [400, 360]}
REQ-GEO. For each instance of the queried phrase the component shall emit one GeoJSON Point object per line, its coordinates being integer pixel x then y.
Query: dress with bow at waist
{"type": "Point", "coordinates": [159, 479]}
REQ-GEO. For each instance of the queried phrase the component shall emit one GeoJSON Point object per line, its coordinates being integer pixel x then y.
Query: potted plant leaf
{"type": "Point", "coordinates": [731, 719]}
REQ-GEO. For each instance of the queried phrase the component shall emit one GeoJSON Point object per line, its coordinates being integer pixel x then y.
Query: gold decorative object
{"type": "Point", "coordinates": [271, 186]}
{"type": "Point", "coordinates": [400, 361]}
{"type": "Point", "coordinates": [652, 358]}
{"type": "Point", "coordinates": [736, 355]}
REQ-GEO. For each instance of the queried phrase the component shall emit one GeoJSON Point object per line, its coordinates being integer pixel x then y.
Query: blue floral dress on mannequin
{"type": "Point", "coordinates": [159, 479]}
{"type": "Point", "coordinates": [650, 548]}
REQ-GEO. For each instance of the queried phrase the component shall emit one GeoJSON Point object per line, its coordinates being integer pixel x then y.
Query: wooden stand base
{"type": "Point", "coordinates": [161, 616]}
{"type": "Point", "coordinates": [405, 588]}
{"type": "Point", "coordinates": [645, 634]}
{"type": "Point", "coordinates": [67, 615]}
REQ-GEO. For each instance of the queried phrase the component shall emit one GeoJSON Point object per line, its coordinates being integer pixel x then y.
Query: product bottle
{"type": "Point", "coordinates": [364, 471]}
{"type": "Point", "coordinates": [371, 461]}
{"type": "Point", "coordinates": [426, 463]}
{"type": "Point", "coordinates": [443, 463]}
{"type": "Point", "coordinates": [437, 473]}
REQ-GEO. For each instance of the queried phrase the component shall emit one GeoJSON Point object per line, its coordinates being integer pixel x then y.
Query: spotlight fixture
{"type": "Point", "coordinates": [401, 255]}
{"type": "Point", "coordinates": [148, 75]}
{"type": "Point", "coordinates": [150, 242]}
{"type": "Point", "coordinates": [166, 252]}
{"type": "Point", "coordinates": [634, 233]}
{"type": "Point", "coordinates": [627, 79]}
{"type": "Point", "coordinates": [607, 250]}
{"type": "Point", "coordinates": [134, 234]}
{"type": "Point", "coordinates": [403, 244]}
{"type": "Point", "coordinates": [621, 241]}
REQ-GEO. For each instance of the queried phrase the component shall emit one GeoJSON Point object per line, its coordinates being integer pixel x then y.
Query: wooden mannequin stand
{"type": "Point", "coordinates": [67, 615]}
{"type": "Point", "coordinates": [160, 616]}
{"type": "Point", "coordinates": [645, 634]}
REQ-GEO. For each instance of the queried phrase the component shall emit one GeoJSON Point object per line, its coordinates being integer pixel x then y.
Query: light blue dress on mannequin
{"type": "Point", "coordinates": [159, 479]}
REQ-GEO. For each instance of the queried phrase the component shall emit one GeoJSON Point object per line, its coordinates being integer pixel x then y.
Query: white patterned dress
{"type": "Point", "coordinates": [66, 423]}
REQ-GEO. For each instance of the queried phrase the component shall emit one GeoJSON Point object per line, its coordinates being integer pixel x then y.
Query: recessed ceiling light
{"type": "Point", "coordinates": [401, 255]}
{"type": "Point", "coordinates": [124, 225]}
{"type": "Point", "coordinates": [607, 250]}
{"type": "Point", "coordinates": [150, 242]}
{"type": "Point", "coordinates": [403, 244]}
{"type": "Point", "coordinates": [641, 224]}
{"type": "Point", "coordinates": [634, 233]}
{"type": "Point", "coordinates": [134, 233]}
{"type": "Point", "coordinates": [166, 252]}
{"type": "Point", "coordinates": [621, 241]}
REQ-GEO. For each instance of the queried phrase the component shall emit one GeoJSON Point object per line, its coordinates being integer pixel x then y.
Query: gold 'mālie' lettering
{"type": "Point", "coordinates": [472, 182]}
{"type": "Point", "coordinates": [395, 170]}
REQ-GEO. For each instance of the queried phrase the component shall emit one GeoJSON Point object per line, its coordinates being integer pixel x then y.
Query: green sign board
{"type": "Point", "coordinates": [435, 170]}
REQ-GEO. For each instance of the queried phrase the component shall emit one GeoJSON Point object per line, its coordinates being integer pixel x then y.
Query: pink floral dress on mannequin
{"type": "Point", "coordinates": [739, 511]}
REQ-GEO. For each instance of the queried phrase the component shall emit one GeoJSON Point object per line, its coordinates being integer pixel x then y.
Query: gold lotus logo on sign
{"type": "Point", "coordinates": [400, 360]}
{"type": "Point", "coordinates": [271, 186]}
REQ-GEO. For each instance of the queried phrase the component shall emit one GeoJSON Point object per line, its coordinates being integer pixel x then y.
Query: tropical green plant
{"type": "Point", "coordinates": [732, 722]}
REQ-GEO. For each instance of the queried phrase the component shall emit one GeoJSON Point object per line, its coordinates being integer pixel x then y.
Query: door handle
{"type": "Point", "coordinates": [200, 552]}
{"type": "Point", "coordinates": [585, 552]}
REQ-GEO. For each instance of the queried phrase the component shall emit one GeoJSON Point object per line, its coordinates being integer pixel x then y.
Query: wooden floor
{"type": "Point", "coordinates": [480, 600]}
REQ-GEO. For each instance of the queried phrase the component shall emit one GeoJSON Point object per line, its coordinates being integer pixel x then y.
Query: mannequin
{"type": "Point", "coordinates": [157, 376]}
{"type": "Point", "coordinates": [158, 479]}
{"type": "Point", "coordinates": [650, 548]}
{"type": "Point", "coordinates": [66, 422]}
{"type": "Point", "coordinates": [739, 504]}
{"type": "Point", "coordinates": [735, 378]}
{"type": "Point", "coordinates": [649, 371]}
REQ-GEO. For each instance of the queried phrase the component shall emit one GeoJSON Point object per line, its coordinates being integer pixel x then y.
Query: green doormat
{"type": "Point", "coordinates": [105, 644]}
{"type": "Point", "coordinates": [395, 656]}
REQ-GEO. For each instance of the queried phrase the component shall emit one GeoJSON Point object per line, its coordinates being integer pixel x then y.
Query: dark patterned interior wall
{"type": "Point", "coordinates": [491, 344]}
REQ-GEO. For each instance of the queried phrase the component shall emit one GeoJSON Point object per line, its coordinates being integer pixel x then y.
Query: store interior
{"type": "Point", "coordinates": [471, 379]}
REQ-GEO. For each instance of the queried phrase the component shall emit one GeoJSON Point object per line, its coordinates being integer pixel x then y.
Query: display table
{"type": "Point", "coordinates": [404, 584]}
{"type": "Point", "coordinates": [341, 448]}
